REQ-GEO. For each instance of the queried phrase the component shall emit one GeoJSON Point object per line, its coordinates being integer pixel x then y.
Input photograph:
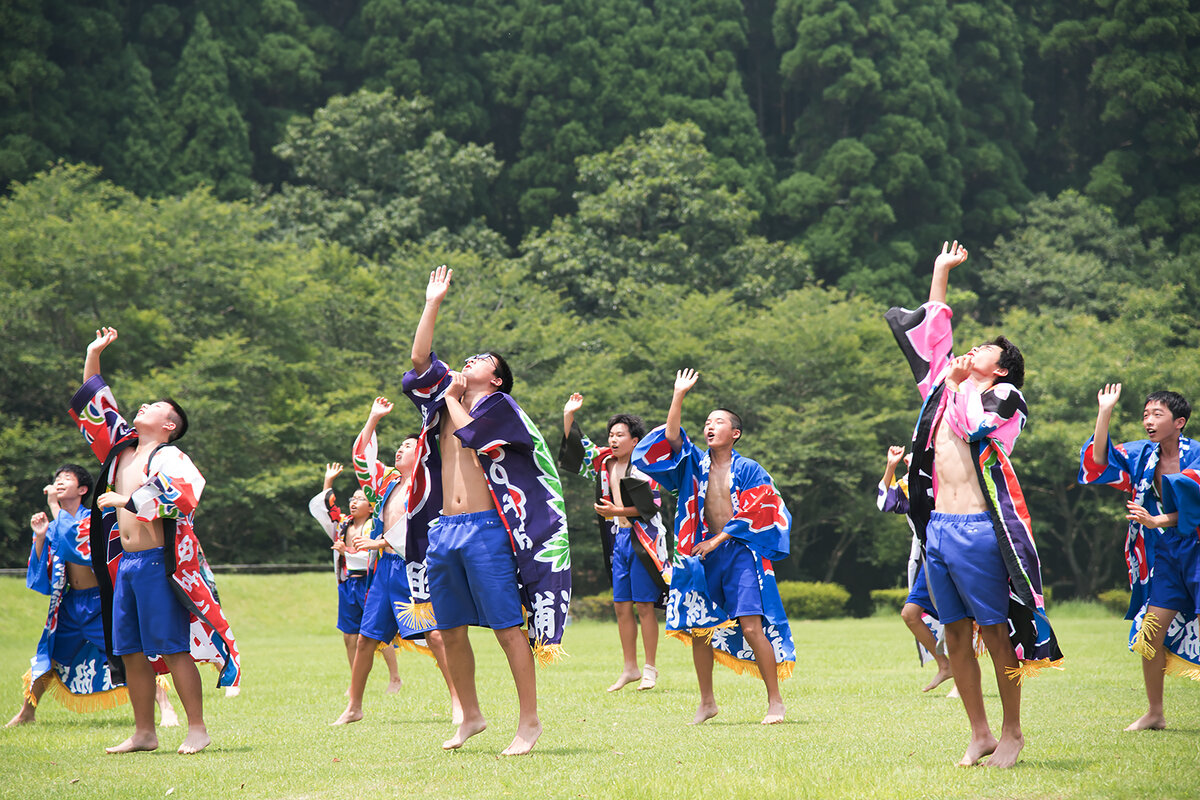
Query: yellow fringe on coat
{"type": "Point", "coordinates": [79, 703]}
{"type": "Point", "coordinates": [1031, 669]}
{"type": "Point", "coordinates": [1141, 640]}
{"type": "Point", "coordinates": [418, 616]}
{"type": "Point", "coordinates": [1181, 667]}
{"type": "Point", "coordinates": [783, 669]}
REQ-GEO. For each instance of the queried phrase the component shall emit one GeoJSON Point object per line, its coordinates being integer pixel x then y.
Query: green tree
{"type": "Point", "coordinates": [138, 156]}
{"type": "Point", "coordinates": [653, 211]}
{"type": "Point", "coordinates": [374, 174]}
{"type": "Point", "coordinates": [33, 124]}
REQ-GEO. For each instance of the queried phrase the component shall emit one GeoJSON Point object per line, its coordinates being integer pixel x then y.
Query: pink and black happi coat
{"type": "Point", "coordinates": [989, 422]}
{"type": "Point", "coordinates": [170, 494]}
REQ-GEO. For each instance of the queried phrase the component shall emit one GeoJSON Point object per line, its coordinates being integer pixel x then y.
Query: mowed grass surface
{"type": "Point", "coordinates": [858, 725]}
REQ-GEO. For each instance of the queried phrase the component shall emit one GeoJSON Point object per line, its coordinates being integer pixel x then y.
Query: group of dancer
{"type": "Point", "coordinates": [467, 527]}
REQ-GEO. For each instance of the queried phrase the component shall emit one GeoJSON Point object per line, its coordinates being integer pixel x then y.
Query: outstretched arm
{"type": "Point", "coordinates": [951, 256]}
{"type": "Point", "coordinates": [1107, 399]}
{"type": "Point", "coordinates": [331, 472]}
{"type": "Point", "coordinates": [435, 293]}
{"type": "Point", "coordinates": [91, 364]}
{"type": "Point", "coordinates": [685, 379]}
{"type": "Point", "coordinates": [379, 409]}
{"type": "Point", "coordinates": [573, 404]}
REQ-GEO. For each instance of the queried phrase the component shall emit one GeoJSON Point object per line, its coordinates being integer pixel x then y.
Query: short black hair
{"type": "Point", "coordinates": [637, 428]}
{"type": "Point", "coordinates": [181, 424]}
{"type": "Point", "coordinates": [734, 419]}
{"type": "Point", "coordinates": [502, 371]}
{"type": "Point", "coordinates": [81, 475]}
{"type": "Point", "coordinates": [1174, 401]}
{"type": "Point", "coordinates": [1011, 360]}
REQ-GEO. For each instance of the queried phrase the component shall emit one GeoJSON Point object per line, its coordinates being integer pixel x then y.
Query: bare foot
{"type": "Point", "coordinates": [1146, 722]}
{"type": "Point", "coordinates": [466, 730]}
{"type": "Point", "coordinates": [526, 738]}
{"type": "Point", "coordinates": [649, 678]}
{"type": "Point", "coordinates": [977, 749]}
{"type": "Point", "coordinates": [348, 716]}
{"type": "Point", "coordinates": [394, 685]}
{"type": "Point", "coordinates": [169, 718]}
{"type": "Point", "coordinates": [1007, 751]}
{"type": "Point", "coordinates": [954, 695]}
{"type": "Point", "coordinates": [233, 691]}
{"type": "Point", "coordinates": [456, 712]}
{"type": "Point", "coordinates": [196, 740]}
{"type": "Point", "coordinates": [24, 717]}
{"type": "Point", "coordinates": [139, 741]}
{"type": "Point", "coordinates": [943, 675]}
{"type": "Point", "coordinates": [774, 715]}
{"type": "Point", "coordinates": [626, 677]}
{"type": "Point", "coordinates": [704, 713]}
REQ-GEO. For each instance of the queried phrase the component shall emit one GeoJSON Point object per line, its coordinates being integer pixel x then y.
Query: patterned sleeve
{"type": "Point", "coordinates": [1181, 492]}
{"type": "Point", "coordinates": [324, 510]}
{"type": "Point", "coordinates": [173, 489]}
{"type": "Point", "coordinates": [37, 571]}
{"type": "Point", "coordinates": [1119, 471]}
{"type": "Point", "coordinates": [577, 453]}
{"type": "Point", "coordinates": [926, 338]}
{"type": "Point", "coordinates": [760, 520]}
{"type": "Point", "coordinates": [373, 476]}
{"type": "Point", "coordinates": [654, 456]}
{"type": "Point", "coordinates": [892, 499]}
{"type": "Point", "coordinates": [496, 422]}
{"type": "Point", "coordinates": [427, 390]}
{"type": "Point", "coordinates": [94, 410]}
{"type": "Point", "coordinates": [998, 413]}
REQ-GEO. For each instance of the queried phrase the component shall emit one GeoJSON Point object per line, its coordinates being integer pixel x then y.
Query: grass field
{"type": "Point", "coordinates": [858, 725]}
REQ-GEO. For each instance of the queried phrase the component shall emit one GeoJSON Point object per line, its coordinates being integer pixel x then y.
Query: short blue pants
{"type": "Point", "coordinates": [631, 580]}
{"type": "Point", "coordinates": [1175, 584]}
{"type": "Point", "coordinates": [79, 622]}
{"type": "Point", "coordinates": [733, 579]}
{"type": "Point", "coordinates": [473, 572]}
{"type": "Point", "coordinates": [147, 616]}
{"type": "Point", "coordinates": [919, 594]}
{"type": "Point", "coordinates": [964, 569]}
{"type": "Point", "coordinates": [352, 596]}
{"type": "Point", "coordinates": [386, 602]}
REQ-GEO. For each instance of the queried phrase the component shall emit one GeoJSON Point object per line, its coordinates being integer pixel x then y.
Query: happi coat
{"type": "Point", "coordinates": [989, 421]}
{"type": "Point", "coordinates": [760, 521]}
{"type": "Point", "coordinates": [525, 489]}
{"type": "Point", "coordinates": [653, 544]}
{"type": "Point", "coordinates": [86, 684]}
{"type": "Point", "coordinates": [1130, 469]}
{"type": "Point", "coordinates": [170, 494]}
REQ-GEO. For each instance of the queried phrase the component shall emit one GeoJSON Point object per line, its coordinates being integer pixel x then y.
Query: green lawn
{"type": "Point", "coordinates": [858, 726]}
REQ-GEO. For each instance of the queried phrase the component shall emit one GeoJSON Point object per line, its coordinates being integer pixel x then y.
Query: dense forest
{"type": "Point", "coordinates": [254, 193]}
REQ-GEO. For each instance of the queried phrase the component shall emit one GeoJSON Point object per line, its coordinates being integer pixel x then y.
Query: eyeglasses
{"type": "Point", "coordinates": [480, 357]}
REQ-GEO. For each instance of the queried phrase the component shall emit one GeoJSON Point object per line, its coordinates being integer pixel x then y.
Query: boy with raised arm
{"type": "Point", "coordinates": [730, 524]}
{"type": "Point", "coordinates": [1161, 554]}
{"type": "Point", "coordinates": [70, 655]}
{"type": "Point", "coordinates": [156, 599]}
{"type": "Point", "coordinates": [398, 610]}
{"type": "Point", "coordinates": [918, 612]}
{"type": "Point", "coordinates": [498, 556]}
{"type": "Point", "coordinates": [637, 548]}
{"type": "Point", "coordinates": [352, 565]}
{"type": "Point", "coordinates": [969, 513]}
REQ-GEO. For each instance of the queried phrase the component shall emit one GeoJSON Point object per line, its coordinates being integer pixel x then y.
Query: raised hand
{"type": "Point", "coordinates": [332, 471]}
{"type": "Point", "coordinates": [104, 337]}
{"type": "Point", "coordinates": [895, 455]}
{"type": "Point", "coordinates": [439, 284]}
{"type": "Point", "coordinates": [457, 387]}
{"type": "Point", "coordinates": [381, 408]}
{"type": "Point", "coordinates": [40, 523]}
{"type": "Point", "coordinates": [685, 379]}
{"type": "Point", "coordinates": [573, 404]}
{"type": "Point", "coordinates": [1108, 396]}
{"type": "Point", "coordinates": [951, 256]}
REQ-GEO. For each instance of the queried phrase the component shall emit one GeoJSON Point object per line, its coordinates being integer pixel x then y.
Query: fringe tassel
{"type": "Point", "coordinates": [418, 616]}
{"type": "Point", "coordinates": [79, 703]}
{"type": "Point", "coordinates": [546, 654]}
{"type": "Point", "coordinates": [1182, 668]}
{"type": "Point", "coordinates": [410, 645]}
{"type": "Point", "coordinates": [1031, 669]}
{"type": "Point", "coordinates": [783, 669]}
{"type": "Point", "coordinates": [1141, 640]}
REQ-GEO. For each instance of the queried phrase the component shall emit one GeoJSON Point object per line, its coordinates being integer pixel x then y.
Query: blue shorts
{"type": "Point", "coordinates": [1175, 584]}
{"type": "Point", "coordinates": [473, 572]}
{"type": "Point", "coordinates": [964, 570]}
{"type": "Point", "coordinates": [919, 594]}
{"type": "Point", "coordinates": [147, 617]}
{"type": "Point", "coordinates": [79, 622]}
{"type": "Point", "coordinates": [733, 579]}
{"type": "Point", "coordinates": [630, 579]}
{"type": "Point", "coordinates": [352, 596]}
{"type": "Point", "coordinates": [386, 601]}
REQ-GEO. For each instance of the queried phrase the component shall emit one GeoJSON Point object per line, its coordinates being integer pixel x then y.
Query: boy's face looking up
{"type": "Point", "coordinates": [985, 362]}
{"type": "Point", "coordinates": [719, 430]}
{"type": "Point", "coordinates": [406, 456]}
{"type": "Point", "coordinates": [621, 440]}
{"type": "Point", "coordinates": [1160, 424]}
{"type": "Point", "coordinates": [158, 415]}
{"type": "Point", "coordinates": [360, 509]}
{"type": "Point", "coordinates": [481, 373]}
{"type": "Point", "coordinates": [66, 485]}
